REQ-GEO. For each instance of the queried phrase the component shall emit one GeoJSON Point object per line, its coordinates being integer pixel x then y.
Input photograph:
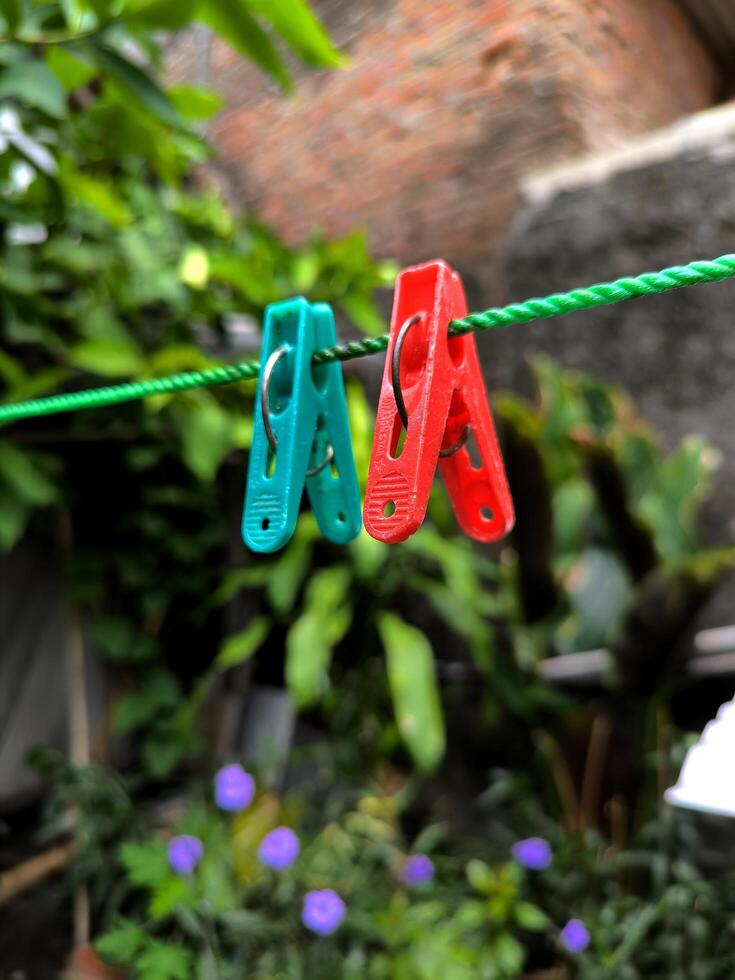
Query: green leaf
{"type": "Point", "coordinates": [368, 555]}
{"type": "Point", "coordinates": [413, 687]}
{"type": "Point", "coordinates": [123, 642]}
{"type": "Point", "coordinates": [600, 593]}
{"type": "Point", "coordinates": [177, 357]}
{"type": "Point", "coordinates": [108, 358]}
{"type": "Point", "coordinates": [121, 943]}
{"type": "Point", "coordinates": [240, 647]}
{"type": "Point", "coordinates": [167, 896]}
{"type": "Point", "coordinates": [288, 573]}
{"type": "Point", "coordinates": [71, 71]}
{"type": "Point", "coordinates": [681, 482]}
{"type": "Point", "coordinates": [167, 15]}
{"type": "Point", "coordinates": [39, 383]}
{"type": "Point", "coordinates": [215, 879]}
{"type": "Point", "coordinates": [362, 426]}
{"type": "Point", "coordinates": [364, 313]}
{"type": "Point", "coordinates": [12, 371]}
{"type": "Point", "coordinates": [20, 472]}
{"type": "Point", "coordinates": [480, 876]}
{"type": "Point", "coordinates": [531, 917]}
{"type": "Point", "coordinates": [509, 956]}
{"type": "Point", "coordinates": [312, 638]}
{"type": "Point", "coordinates": [297, 24]}
{"type": "Point", "coordinates": [163, 750]}
{"type": "Point", "coordinates": [96, 194]}
{"type": "Point", "coordinates": [208, 433]}
{"type": "Point", "coordinates": [33, 84]}
{"type": "Point", "coordinates": [138, 84]}
{"type": "Point", "coordinates": [160, 694]}
{"type": "Point", "coordinates": [102, 9]}
{"type": "Point", "coordinates": [146, 863]}
{"type": "Point", "coordinates": [232, 20]}
{"type": "Point", "coordinates": [161, 961]}
{"type": "Point", "coordinates": [12, 13]}
{"type": "Point", "coordinates": [79, 16]}
{"type": "Point", "coordinates": [241, 578]}
{"type": "Point", "coordinates": [573, 502]}
{"type": "Point", "coordinates": [195, 103]}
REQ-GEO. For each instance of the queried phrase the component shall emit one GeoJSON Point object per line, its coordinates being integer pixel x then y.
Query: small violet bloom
{"type": "Point", "coordinates": [418, 870]}
{"type": "Point", "coordinates": [575, 936]}
{"type": "Point", "coordinates": [323, 911]}
{"type": "Point", "coordinates": [533, 853]}
{"type": "Point", "coordinates": [279, 848]}
{"type": "Point", "coordinates": [234, 788]}
{"type": "Point", "coordinates": [184, 853]}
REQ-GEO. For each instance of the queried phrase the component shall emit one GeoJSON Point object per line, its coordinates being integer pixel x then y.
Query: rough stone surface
{"type": "Point", "coordinates": [423, 139]}
{"type": "Point", "coordinates": [674, 352]}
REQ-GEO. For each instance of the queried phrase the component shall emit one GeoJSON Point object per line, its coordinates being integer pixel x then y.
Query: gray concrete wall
{"type": "Point", "coordinates": [667, 199]}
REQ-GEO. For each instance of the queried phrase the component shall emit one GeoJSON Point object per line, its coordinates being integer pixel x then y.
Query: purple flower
{"type": "Point", "coordinates": [279, 848]}
{"type": "Point", "coordinates": [418, 870]}
{"type": "Point", "coordinates": [184, 853]}
{"type": "Point", "coordinates": [234, 788]}
{"type": "Point", "coordinates": [575, 936]}
{"type": "Point", "coordinates": [533, 853]}
{"type": "Point", "coordinates": [323, 911]}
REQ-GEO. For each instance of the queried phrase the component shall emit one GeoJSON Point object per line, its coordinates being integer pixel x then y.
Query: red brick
{"type": "Point", "coordinates": [423, 138]}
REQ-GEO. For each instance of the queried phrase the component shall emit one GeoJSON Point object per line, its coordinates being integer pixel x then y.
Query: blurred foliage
{"type": "Point", "coordinates": [658, 901]}
{"type": "Point", "coordinates": [605, 554]}
{"type": "Point", "coordinates": [651, 904]}
{"type": "Point", "coordinates": [119, 259]}
{"type": "Point", "coordinates": [116, 260]}
{"type": "Point", "coordinates": [223, 921]}
{"type": "Point", "coordinates": [607, 526]}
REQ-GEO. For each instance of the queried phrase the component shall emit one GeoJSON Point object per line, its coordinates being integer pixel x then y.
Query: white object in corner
{"type": "Point", "coordinates": [707, 778]}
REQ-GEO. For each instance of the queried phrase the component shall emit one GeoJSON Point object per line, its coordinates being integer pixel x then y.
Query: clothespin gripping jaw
{"type": "Point", "coordinates": [433, 389]}
{"type": "Point", "coordinates": [301, 435]}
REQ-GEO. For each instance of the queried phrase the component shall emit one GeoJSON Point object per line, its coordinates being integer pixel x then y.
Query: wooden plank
{"type": "Point", "coordinates": [33, 709]}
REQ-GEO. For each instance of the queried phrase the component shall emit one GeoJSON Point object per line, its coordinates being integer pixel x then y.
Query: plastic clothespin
{"type": "Point", "coordinates": [433, 387]}
{"type": "Point", "coordinates": [301, 435]}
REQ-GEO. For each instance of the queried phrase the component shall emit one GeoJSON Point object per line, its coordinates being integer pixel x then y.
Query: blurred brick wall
{"type": "Point", "coordinates": [446, 105]}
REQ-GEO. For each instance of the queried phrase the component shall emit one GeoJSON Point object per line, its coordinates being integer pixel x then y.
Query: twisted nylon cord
{"type": "Point", "coordinates": [602, 294]}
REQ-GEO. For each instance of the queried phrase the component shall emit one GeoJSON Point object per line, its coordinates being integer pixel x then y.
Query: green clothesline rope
{"type": "Point", "coordinates": [603, 294]}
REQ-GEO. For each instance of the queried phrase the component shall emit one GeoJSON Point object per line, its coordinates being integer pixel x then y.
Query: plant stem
{"type": "Point", "coordinates": [562, 778]}
{"type": "Point", "coordinates": [592, 779]}
{"type": "Point", "coordinates": [28, 873]}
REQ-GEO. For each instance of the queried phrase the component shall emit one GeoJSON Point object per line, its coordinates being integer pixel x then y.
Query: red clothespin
{"type": "Point", "coordinates": [433, 387]}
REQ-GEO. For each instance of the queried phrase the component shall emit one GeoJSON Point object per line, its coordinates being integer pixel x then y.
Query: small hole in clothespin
{"type": "Point", "coordinates": [486, 513]}
{"type": "Point", "coordinates": [265, 523]}
{"type": "Point", "coordinates": [473, 452]}
{"type": "Point", "coordinates": [341, 518]}
{"type": "Point", "coordinates": [389, 508]}
{"type": "Point", "coordinates": [400, 442]}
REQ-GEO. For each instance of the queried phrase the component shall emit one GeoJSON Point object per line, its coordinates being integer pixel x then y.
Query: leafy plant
{"type": "Point", "coordinates": [119, 260]}
{"type": "Point", "coordinates": [116, 257]}
{"type": "Point", "coordinates": [607, 525]}
{"type": "Point", "coordinates": [606, 529]}
{"type": "Point", "coordinates": [234, 915]}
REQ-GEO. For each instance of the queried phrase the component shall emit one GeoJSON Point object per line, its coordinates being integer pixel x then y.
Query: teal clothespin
{"type": "Point", "coordinates": [301, 434]}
